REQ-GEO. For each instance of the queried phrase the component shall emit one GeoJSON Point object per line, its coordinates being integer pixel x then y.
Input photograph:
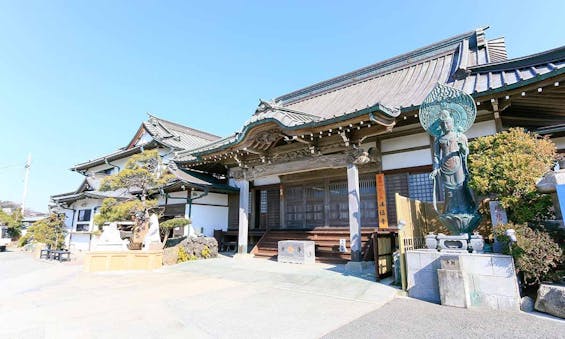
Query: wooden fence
{"type": "Point", "coordinates": [419, 218]}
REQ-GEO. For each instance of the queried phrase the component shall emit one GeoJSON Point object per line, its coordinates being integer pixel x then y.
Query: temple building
{"type": "Point", "coordinates": [325, 162]}
{"type": "Point", "coordinates": [199, 196]}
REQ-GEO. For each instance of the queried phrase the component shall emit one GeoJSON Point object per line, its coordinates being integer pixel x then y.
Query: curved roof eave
{"type": "Point", "coordinates": [116, 155]}
{"type": "Point", "coordinates": [237, 138]}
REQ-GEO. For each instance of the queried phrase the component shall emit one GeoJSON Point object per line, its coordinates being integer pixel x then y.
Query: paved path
{"type": "Point", "coordinates": [246, 298]}
{"type": "Point", "coordinates": [410, 318]}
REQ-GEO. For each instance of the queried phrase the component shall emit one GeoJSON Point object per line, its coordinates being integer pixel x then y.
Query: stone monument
{"type": "Point", "coordinates": [152, 240]}
{"type": "Point", "coordinates": [446, 114]}
{"type": "Point", "coordinates": [110, 240]}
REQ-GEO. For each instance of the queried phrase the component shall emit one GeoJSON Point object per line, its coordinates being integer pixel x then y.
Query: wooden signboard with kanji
{"type": "Point", "coordinates": [381, 201]}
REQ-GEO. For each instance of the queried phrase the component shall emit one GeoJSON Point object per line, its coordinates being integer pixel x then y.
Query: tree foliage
{"type": "Point", "coordinates": [175, 222]}
{"type": "Point", "coordinates": [142, 172]}
{"type": "Point", "coordinates": [507, 165]}
{"type": "Point", "coordinates": [114, 210]}
{"type": "Point", "coordinates": [50, 231]}
{"type": "Point", "coordinates": [168, 225]}
{"type": "Point", "coordinates": [13, 221]}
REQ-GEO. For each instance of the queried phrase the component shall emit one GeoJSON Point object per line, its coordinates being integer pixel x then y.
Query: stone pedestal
{"type": "Point", "coordinates": [452, 242]}
{"type": "Point", "coordinates": [296, 252]}
{"type": "Point", "coordinates": [485, 280]}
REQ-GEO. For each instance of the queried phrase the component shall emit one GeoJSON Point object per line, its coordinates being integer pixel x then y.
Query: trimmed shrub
{"type": "Point", "coordinates": [535, 253]}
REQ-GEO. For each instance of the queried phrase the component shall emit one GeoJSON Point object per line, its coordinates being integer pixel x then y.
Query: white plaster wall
{"type": "Point", "coordinates": [119, 162]}
{"type": "Point", "coordinates": [480, 129]}
{"type": "Point", "coordinates": [172, 196]}
{"type": "Point", "coordinates": [559, 142]}
{"type": "Point", "coordinates": [205, 219]}
{"type": "Point", "coordinates": [408, 141]}
{"type": "Point", "coordinates": [213, 199]}
{"type": "Point", "coordinates": [209, 213]}
{"type": "Point", "coordinates": [407, 159]}
{"type": "Point", "coordinates": [267, 181]}
{"type": "Point", "coordinates": [79, 242]}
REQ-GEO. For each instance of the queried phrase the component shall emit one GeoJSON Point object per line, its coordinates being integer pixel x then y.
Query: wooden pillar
{"type": "Point", "coordinates": [243, 185]}
{"type": "Point", "coordinates": [282, 207]}
{"type": "Point", "coordinates": [496, 112]}
{"type": "Point", "coordinates": [354, 199]}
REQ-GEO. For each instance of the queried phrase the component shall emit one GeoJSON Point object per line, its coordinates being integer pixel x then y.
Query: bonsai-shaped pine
{"type": "Point", "coordinates": [142, 175]}
{"type": "Point", "coordinates": [168, 225]}
{"type": "Point", "coordinates": [50, 231]}
{"type": "Point", "coordinates": [13, 221]}
{"type": "Point", "coordinates": [506, 167]}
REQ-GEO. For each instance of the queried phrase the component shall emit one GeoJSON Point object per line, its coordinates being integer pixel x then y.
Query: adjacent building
{"type": "Point", "coordinates": [191, 194]}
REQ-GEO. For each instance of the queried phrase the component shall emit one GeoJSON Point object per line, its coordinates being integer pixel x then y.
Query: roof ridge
{"type": "Point", "coordinates": [197, 132]}
{"type": "Point", "coordinates": [374, 68]}
{"type": "Point", "coordinates": [544, 56]}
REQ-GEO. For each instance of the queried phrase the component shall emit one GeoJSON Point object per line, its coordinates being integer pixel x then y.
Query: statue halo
{"type": "Point", "coordinates": [459, 104]}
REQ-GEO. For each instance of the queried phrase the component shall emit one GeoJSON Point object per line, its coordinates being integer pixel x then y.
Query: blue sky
{"type": "Point", "coordinates": [76, 78]}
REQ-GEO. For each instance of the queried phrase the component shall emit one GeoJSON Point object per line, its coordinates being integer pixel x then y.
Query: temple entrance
{"type": "Point", "coordinates": [267, 207]}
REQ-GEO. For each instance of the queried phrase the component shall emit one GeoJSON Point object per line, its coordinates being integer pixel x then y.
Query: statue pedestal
{"type": "Point", "coordinates": [455, 243]}
{"type": "Point", "coordinates": [452, 242]}
{"type": "Point", "coordinates": [463, 279]}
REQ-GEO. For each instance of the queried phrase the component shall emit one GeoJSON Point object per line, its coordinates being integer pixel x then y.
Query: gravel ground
{"type": "Point", "coordinates": [410, 318]}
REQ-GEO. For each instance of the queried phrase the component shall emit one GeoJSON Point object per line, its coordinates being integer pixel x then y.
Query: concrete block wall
{"type": "Point", "coordinates": [490, 279]}
{"type": "Point", "coordinates": [422, 279]}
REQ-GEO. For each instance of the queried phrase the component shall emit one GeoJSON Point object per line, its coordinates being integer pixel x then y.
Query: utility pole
{"type": "Point", "coordinates": [26, 178]}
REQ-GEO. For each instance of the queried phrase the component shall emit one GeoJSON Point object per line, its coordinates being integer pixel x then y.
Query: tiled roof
{"type": "Point", "coordinates": [198, 179]}
{"type": "Point", "coordinates": [467, 62]}
{"type": "Point", "coordinates": [265, 112]}
{"type": "Point", "coordinates": [72, 197]}
{"type": "Point", "coordinates": [482, 79]}
{"type": "Point", "coordinates": [398, 82]}
{"type": "Point", "coordinates": [284, 117]}
{"type": "Point", "coordinates": [119, 154]}
{"type": "Point", "coordinates": [175, 135]}
{"type": "Point", "coordinates": [163, 132]}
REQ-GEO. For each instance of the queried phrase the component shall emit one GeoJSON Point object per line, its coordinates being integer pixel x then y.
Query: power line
{"type": "Point", "coordinates": [9, 166]}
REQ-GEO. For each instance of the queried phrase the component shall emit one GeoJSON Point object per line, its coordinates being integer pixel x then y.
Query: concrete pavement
{"type": "Point", "coordinates": [224, 297]}
{"type": "Point", "coordinates": [410, 318]}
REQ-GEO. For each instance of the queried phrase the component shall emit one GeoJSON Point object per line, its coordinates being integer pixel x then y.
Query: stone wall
{"type": "Point", "coordinates": [195, 247]}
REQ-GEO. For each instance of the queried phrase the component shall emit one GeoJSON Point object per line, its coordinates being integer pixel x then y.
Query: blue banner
{"type": "Point", "coordinates": [561, 197]}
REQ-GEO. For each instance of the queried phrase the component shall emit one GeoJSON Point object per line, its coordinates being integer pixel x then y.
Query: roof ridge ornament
{"type": "Point", "coordinates": [265, 105]}
{"type": "Point", "coordinates": [442, 98]}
